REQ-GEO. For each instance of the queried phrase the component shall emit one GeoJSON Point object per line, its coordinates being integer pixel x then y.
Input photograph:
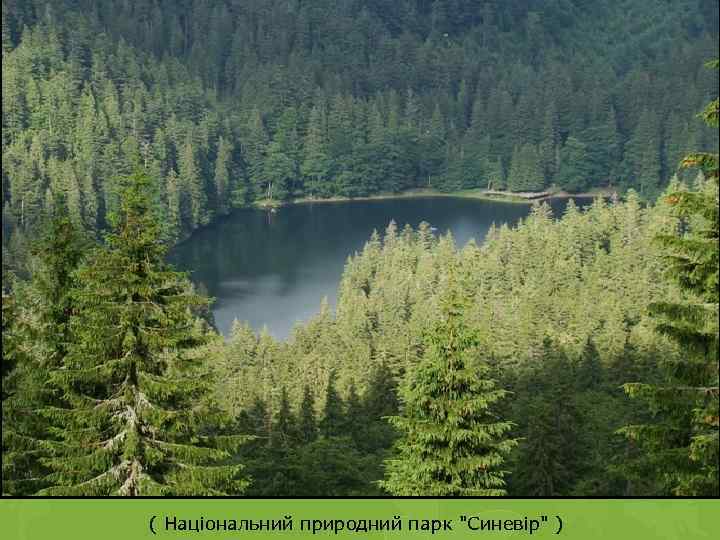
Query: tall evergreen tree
{"type": "Point", "coordinates": [222, 176]}
{"type": "Point", "coordinates": [526, 173]}
{"type": "Point", "coordinates": [307, 423]}
{"type": "Point", "coordinates": [642, 155]}
{"type": "Point", "coordinates": [195, 206]}
{"type": "Point", "coordinates": [687, 403]}
{"type": "Point", "coordinates": [549, 454]}
{"type": "Point", "coordinates": [451, 443]}
{"type": "Point", "coordinates": [575, 168]}
{"type": "Point", "coordinates": [133, 421]}
{"type": "Point", "coordinates": [333, 418]}
{"type": "Point", "coordinates": [44, 330]}
{"type": "Point", "coordinates": [316, 164]}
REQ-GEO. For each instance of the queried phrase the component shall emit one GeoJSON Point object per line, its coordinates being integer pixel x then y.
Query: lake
{"type": "Point", "coordinates": [273, 269]}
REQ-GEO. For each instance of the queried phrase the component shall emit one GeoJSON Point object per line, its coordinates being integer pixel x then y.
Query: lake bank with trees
{"type": "Point", "coordinates": [479, 193]}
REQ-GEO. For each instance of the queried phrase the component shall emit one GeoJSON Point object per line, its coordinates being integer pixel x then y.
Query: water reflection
{"type": "Point", "coordinates": [274, 269]}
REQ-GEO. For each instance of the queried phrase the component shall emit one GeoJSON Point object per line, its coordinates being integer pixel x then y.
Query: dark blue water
{"type": "Point", "coordinates": [274, 269]}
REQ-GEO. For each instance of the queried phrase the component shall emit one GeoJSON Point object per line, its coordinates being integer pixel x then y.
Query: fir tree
{"type": "Point", "coordinates": [333, 418]}
{"type": "Point", "coordinates": [316, 164]}
{"type": "Point", "coordinates": [451, 443]}
{"type": "Point", "coordinates": [575, 168]}
{"type": "Point", "coordinates": [44, 331]}
{"type": "Point", "coordinates": [133, 421]}
{"type": "Point", "coordinates": [547, 461]}
{"type": "Point", "coordinates": [307, 425]}
{"type": "Point", "coordinates": [526, 172]}
{"type": "Point", "coordinates": [689, 441]}
{"type": "Point", "coordinates": [284, 427]}
{"type": "Point", "coordinates": [590, 372]}
{"type": "Point", "coordinates": [222, 176]}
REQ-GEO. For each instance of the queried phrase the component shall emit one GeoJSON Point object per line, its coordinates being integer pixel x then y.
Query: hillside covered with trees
{"type": "Point", "coordinates": [572, 354]}
{"type": "Point", "coordinates": [230, 102]}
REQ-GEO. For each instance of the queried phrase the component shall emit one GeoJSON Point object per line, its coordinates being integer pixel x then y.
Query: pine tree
{"type": "Point", "coordinates": [316, 164]}
{"type": "Point", "coordinates": [642, 155]}
{"type": "Point", "coordinates": [308, 424]}
{"type": "Point", "coordinates": [44, 332]}
{"type": "Point", "coordinates": [526, 172]}
{"type": "Point", "coordinates": [333, 418]}
{"type": "Point", "coordinates": [687, 403]}
{"type": "Point", "coordinates": [451, 443]}
{"type": "Point", "coordinates": [222, 176]}
{"type": "Point", "coordinates": [575, 168]}
{"type": "Point", "coordinates": [284, 427]}
{"type": "Point", "coordinates": [548, 458]}
{"type": "Point", "coordinates": [192, 183]}
{"type": "Point", "coordinates": [133, 421]}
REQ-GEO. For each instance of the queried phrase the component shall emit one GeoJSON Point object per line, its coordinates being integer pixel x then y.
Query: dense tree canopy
{"type": "Point", "coordinates": [232, 102]}
{"type": "Point", "coordinates": [128, 125]}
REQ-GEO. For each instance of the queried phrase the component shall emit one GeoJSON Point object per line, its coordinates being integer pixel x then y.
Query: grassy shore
{"type": "Point", "coordinates": [479, 193]}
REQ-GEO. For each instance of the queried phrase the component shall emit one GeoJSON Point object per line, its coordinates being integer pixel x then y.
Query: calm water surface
{"type": "Point", "coordinates": [274, 269]}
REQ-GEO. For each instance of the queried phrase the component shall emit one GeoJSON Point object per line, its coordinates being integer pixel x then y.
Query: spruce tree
{"type": "Point", "coordinates": [38, 341]}
{"type": "Point", "coordinates": [549, 455]}
{"type": "Point", "coordinates": [575, 172]}
{"type": "Point", "coordinates": [590, 372]}
{"type": "Point", "coordinates": [355, 422]}
{"type": "Point", "coordinates": [222, 176]}
{"type": "Point", "coordinates": [380, 401]}
{"type": "Point", "coordinates": [13, 466]}
{"type": "Point", "coordinates": [333, 419]}
{"type": "Point", "coordinates": [689, 441]}
{"type": "Point", "coordinates": [526, 173]}
{"type": "Point", "coordinates": [191, 180]}
{"type": "Point", "coordinates": [134, 418]}
{"type": "Point", "coordinates": [307, 422]}
{"type": "Point", "coordinates": [451, 443]}
{"type": "Point", "coordinates": [316, 163]}
{"type": "Point", "coordinates": [642, 154]}
{"type": "Point", "coordinates": [495, 175]}
{"type": "Point", "coordinates": [283, 432]}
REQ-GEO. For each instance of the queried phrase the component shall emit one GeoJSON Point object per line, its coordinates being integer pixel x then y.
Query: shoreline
{"type": "Point", "coordinates": [480, 194]}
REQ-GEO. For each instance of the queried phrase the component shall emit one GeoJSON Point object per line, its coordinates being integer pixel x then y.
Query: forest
{"type": "Point", "coordinates": [569, 355]}
{"type": "Point", "coordinates": [231, 102]}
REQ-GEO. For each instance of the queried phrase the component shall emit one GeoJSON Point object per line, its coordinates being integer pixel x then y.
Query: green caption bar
{"type": "Point", "coordinates": [396, 518]}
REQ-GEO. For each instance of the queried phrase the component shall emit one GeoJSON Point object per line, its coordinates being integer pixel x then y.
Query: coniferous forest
{"type": "Point", "coordinates": [569, 355]}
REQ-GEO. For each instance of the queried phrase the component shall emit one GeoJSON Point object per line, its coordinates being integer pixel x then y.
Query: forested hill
{"type": "Point", "coordinates": [229, 101]}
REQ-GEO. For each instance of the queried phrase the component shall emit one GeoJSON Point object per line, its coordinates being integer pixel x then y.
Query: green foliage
{"type": "Point", "coordinates": [37, 337]}
{"type": "Point", "coordinates": [332, 422]}
{"type": "Point", "coordinates": [548, 460]}
{"type": "Point", "coordinates": [244, 102]}
{"type": "Point", "coordinates": [686, 402]}
{"type": "Point", "coordinates": [308, 425]}
{"type": "Point", "coordinates": [451, 442]}
{"type": "Point", "coordinates": [526, 171]}
{"type": "Point", "coordinates": [112, 383]}
{"type": "Point", "coordinates": [132, 421]}
{"type": "Point", "coordinates": [575, 167]}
